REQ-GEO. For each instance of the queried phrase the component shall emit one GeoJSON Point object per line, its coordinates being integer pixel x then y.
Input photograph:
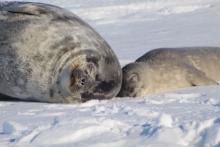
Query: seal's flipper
{"type": "Point", "coordinates": [198, 78]}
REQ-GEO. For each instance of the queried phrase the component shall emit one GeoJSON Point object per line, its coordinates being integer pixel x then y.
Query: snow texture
{"type": "Point", "coordinates": [187, 117]}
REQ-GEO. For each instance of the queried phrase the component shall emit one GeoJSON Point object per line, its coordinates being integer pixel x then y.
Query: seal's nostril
{"type": "Point", "coordinates": [83, 82]}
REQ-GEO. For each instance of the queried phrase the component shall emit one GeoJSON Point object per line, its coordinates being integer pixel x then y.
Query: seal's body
{"type": "Point", "coordinates": [49, 54]}
{"type": "Point", "coordinates": [167, 69]}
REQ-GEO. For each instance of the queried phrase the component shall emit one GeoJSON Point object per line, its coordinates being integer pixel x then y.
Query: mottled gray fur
{"type": "Point", "coordinates": [42, 46]}
{"type": "Point", "coordinates": [167, 69]}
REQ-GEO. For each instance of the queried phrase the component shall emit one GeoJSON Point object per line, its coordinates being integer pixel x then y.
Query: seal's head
{"type": "Point", "coordinates": [132, 82]}
{"type": "Point", "coordinates": [82, 79]}
{"type": "Point", "coordinates": [87, 77]}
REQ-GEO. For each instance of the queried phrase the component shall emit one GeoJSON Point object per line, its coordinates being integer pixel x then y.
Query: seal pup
{"type": "Point", "coordinates": [49, 54]}
{"type": "Point", "coordinates": [167, 69]}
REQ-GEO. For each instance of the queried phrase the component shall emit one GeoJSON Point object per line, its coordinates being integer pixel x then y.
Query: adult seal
{"type": "Point", "coordinates": [167, 69]}
{"type": "Point", "coordinates": [48, 54]}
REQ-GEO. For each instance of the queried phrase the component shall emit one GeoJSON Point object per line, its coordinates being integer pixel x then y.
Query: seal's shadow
{"type": "Point", "coordinates": [5, 98]}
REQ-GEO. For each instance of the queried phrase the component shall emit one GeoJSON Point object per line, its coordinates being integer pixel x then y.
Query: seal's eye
{"type": "Point", "coordinates": [133, 77]}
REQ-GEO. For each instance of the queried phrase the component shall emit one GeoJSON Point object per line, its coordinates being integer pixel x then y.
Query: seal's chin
{"type": "Point", "coordinates": [86, 96]}
{"type": "Point", "coordinates": [100, 90]}
{"type": "Point", "coordinates": [93, 90]}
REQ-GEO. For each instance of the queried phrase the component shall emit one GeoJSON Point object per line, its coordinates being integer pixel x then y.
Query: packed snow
{"type": "Point", "coordinates": [187, 117]}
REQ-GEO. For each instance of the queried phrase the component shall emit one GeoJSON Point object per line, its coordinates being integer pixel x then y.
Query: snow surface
{"type": "Point", "coordinates": [187, 117]}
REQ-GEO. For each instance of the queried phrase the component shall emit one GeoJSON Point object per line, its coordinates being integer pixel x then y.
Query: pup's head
{"type": "Point", "coordinates": [132, 80]}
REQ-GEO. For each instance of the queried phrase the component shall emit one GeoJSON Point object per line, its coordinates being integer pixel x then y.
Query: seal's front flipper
{"type": "Point", "coordinates": [198, 78]}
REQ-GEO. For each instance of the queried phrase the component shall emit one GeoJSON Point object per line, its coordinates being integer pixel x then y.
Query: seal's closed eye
{"type": "Point", "coordinates": [134, 77]}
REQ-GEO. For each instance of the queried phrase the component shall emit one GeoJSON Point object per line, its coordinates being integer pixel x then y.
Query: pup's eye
{"type": "Point", "coordinates": [133, 77]}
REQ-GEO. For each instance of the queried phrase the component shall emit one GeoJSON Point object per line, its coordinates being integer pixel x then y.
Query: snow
{"type": "Point", "coordinates": [187, 117]}
{"type": "Point", "coordinates": [154, 120]}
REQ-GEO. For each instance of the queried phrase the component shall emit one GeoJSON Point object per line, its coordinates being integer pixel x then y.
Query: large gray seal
{"type": "Point", "coordinates": [49, 54]}
{"type": "Point", "coordinates": [167, 69]}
